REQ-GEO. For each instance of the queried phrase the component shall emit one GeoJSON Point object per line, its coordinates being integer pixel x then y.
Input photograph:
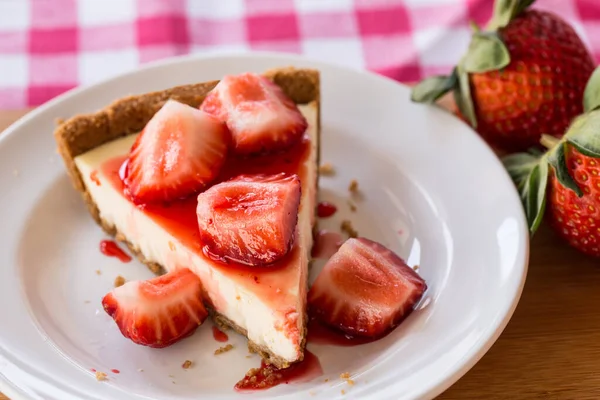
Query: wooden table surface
{"type": "Point", "coordinates": [551, 347]}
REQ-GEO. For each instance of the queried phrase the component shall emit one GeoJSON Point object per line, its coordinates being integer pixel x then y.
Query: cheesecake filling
{"type": "Point", "coordinates": [267, 302]}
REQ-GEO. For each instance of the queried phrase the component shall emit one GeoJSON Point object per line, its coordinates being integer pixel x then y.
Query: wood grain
{"type": "Point", "coordinates": [551, 347]}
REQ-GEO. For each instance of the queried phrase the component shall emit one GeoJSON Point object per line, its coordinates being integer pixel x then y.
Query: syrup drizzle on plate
{"type": "Point", "coordinates": [219, 335]}
{"type": "Point", "coordinates": [268, 376]}
{"type": "Point", "coordinates": [111, 248]}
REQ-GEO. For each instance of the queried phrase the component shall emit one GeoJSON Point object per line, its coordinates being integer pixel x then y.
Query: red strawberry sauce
{"type": "Point", "coordinates": [179, 217]}
{"type": "Point", "coordinates": [94, 177]}
{"type": "Point", "coordinates": [325, 209]}
{"type": "Point", "coordinates": [111, 248]}
{"type": "Point", "coordinates": [219, 335]}
{"type": "Point", "coordinates": [115, 371]}
{"type": "Point", "coordinates": [321, 334]}
{"type": "Point", "coordinates": [268, 376]}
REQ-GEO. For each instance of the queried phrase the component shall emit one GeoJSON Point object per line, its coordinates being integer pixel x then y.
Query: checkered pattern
{"type": "Point", "coordinates": [49, 46]}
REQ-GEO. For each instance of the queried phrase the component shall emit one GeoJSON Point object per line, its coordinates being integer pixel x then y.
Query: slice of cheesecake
{"type": "Point", "coordinates": [266, 303]}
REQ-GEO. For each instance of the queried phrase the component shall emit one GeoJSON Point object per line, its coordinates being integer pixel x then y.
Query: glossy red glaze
{"type": "Point", "coordinates": [268, 376]}
{"type": "Point", "coordinates": [322, 334]}
{"type": "Point", "coordinates": [219, 335]}
{"type": "Point", "coordinates": [94, 177]}
{"type": "Point", "coordinates": [325, 209]}
{"type": "Point", "coordinates": [111, 248]}
{"type": "Point", "coordinates": [115, 371]}
{"type": "Point", "coordinates": [179, 217]}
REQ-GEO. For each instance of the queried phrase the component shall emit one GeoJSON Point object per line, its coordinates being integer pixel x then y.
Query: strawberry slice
{"type": "Point", "coordinates": [258, 113]}
{"type": "Point", "coordinates": [160, 311]}
{"type": "Point", "coordinates": [250, 219]}
{"type": "Point", "coordinates": [179, 152]}
{"type": "Point", "coordinates": [365, 289]}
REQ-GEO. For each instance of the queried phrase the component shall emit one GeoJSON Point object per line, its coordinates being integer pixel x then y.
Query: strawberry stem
{"type": "Point", "coordinates": [549, 141]}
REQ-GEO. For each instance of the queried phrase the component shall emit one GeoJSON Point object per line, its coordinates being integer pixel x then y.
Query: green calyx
{"type": "Point", "coordinates": [486, 52]}
{"type": "Point", "coordinates": [530, 171]}
{"type": "Point", "coordinates": [507, 10]}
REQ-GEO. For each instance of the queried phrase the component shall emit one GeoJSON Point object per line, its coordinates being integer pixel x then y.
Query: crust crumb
{"type": "Point", "coordinates": [343, 392]}
{"type": "Point", "coordinates": [98, 272]}
{"type": "Point", "coordinates": [119, 281]}
{"type": "Point", "coordinates": [352, 206]}
{"type": "Point", "coordinates": [171, 246]}
{"type": "Point", "coordinates": [186, 364]}
{"type": "Point", "coordinates": [86, 302]}
{"type": "Point", "coordinates": [326, 380]}
{"type": "Point", "coordinates": [223, 349]}
{"type": "Point", "coordinates": [353, 186]}
{"type": "Point", "coordinates": [416, 267]}
{"type": "Point", "coordinates": [326, 169]}
{"type": "Point", "coordinates": [141, 370]}
{"type": "Point", "coordinates": [59, 121]}
{"type": "Point", "coordinates": [238, 297]}
{"type": "Point", "coordinates": [347, 227]}
{"type": "Point", "coordinates": [249, 356]}
{"type": "Point", "coordinates": [346, 376]}
{"type": "Point", "coordinates": [100, 376]}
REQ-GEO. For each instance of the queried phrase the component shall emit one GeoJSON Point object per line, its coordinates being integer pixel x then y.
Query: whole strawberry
{"type": "Point", "coordinates": [566, 179]}
{"type": "Point", "coordinates": [523, 76]}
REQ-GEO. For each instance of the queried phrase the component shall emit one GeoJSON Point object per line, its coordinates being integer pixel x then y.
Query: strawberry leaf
{"type": "Point", "coordinates": [530, 175]}
{"type": "Point", "coordinates": [591, 96]}
{"type": "Point", "coordinates": [462, 96]}
{"type": "Point", "coordinates": [584, 134]}
{"type": "Point", "coordinates": [507, 10]}
{"type": "Point", "coordinates": [431, 89]}
{"type": "Point", "coordinates": [487, 52]}
{"type": "Point", "coordinates": [557, 158]}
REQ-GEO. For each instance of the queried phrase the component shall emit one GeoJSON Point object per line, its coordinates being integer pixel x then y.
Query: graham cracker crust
{"type": "Point", "coordinates": [128, 115]}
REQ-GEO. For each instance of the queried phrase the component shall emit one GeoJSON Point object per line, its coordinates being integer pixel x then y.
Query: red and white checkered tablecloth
{"type": "Point", "coordinates": [50, 46]}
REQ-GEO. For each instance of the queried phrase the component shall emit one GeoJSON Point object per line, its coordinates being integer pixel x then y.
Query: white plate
{"type": "Point", "coordinates": [433, 192]}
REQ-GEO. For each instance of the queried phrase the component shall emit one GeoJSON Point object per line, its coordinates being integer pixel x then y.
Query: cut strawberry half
{"type": "Point", "coordinates": [260, 116]}
{"type": "Point", "coordinates": [178, 153]}
{"type": "Point", "coordinates": [250, 219]}
{"type": "Point", "coordinates": [365, 289]}
{"type": "Point", "coordinates": [160, 311]}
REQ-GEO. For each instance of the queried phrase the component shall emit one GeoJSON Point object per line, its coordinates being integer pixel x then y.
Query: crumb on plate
{"type": "Point", "coordinates": [343, 392]}
{"type": "Point", "coordinates": [352, 206]}
{"type": "Point", "coordinates": [140, 370]}
{"type": "Point", "coordinates": [119, 281]}
{"type": "Point", "coordinates": [223, 349]}
{"type": "Point", "coordinates": [186, 364]}
{"type": "Point", "coordinates": [98, 272]}
{"type": "Point", "coordinates": [326, 169]}
{"type": "Point", "coordinates": [353, 186]}
{"type": "Point", "coordinates": [347, 227]}
{"type": "Point", "coordinates": [346, 376]}
{"type": "Point", "coordinates": [87, 302]}
{"type": "Point", "coordinates": [100, 376]}
{"type": "Point", "coordinates": [416, 267]}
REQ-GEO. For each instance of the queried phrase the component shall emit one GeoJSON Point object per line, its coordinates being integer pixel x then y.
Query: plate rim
{"type": "Point", "coordinates": [469, 359]}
